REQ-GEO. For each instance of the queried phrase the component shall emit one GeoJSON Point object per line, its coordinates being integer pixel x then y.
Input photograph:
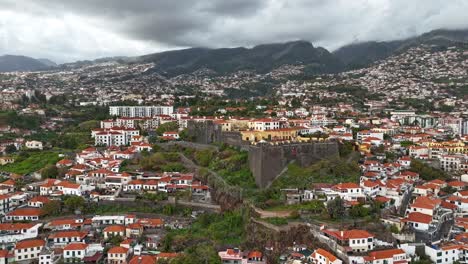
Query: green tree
{"type": "Point", "coordinates": [204, 157]}
{"type": "Point", "coordinates": [115, 240]}
{"type": "Point", "coordinates": [201, 253]}
{"type": "Point", "coordinates": [73, 203]}
{"type": "Point", "coordinates": [336, 208]}
{"type": "Point", "coordinates": [49, 172]}
{"type": "Point", "coordinates": [169, 126]}
{"type": "Point", "coordinates": [10, 149]}
{"type": "Point", "coordinates": [52, 208]}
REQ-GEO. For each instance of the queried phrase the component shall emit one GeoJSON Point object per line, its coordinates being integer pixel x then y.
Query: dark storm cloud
{"type": "Point", "coordinates": [106, 27]}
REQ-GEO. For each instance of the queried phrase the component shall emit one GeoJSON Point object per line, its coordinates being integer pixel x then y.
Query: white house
{"type": "Point", "coordinates": [356, 240]}
{"type": "Point", "coordinates": [34, 144]}
{"type": "Point", "coordinates": [28, 250]}
{"type": "Point", "coordinates": [24, 214]}
{"type": "Point", "coordinates": [117, 255]}
{"type": "Point", "coordinates": [264, 124]}
{"type": "Point", "coordinates": [347, 191]}
{"type": "Point", "coordinates": [114, 230]}
{"type": "Point", "coordinates": [74, 252]}
{"type": "Point", "coordinates": [66, 237]}
{"type": "Point", "coordinates": [321, 256]}
{"type": "Point", "coordinates": [418, 221]}
{"type": "Point", "coordinates": [447, 254]}
{"type": "Point", "coordinates": [12, 232]}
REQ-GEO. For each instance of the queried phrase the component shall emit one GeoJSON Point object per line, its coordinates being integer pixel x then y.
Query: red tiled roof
{"type": "Point", "coordinates": [8, 182]}
{"type": "Point", "coordinates": [76, 246]}
{"type": "Point", "coordinates": [347, 185]}
{"type": "Point", "coordinates": [26, 212]}
{"type": "Point", "coordinates": [15, 226]}
{"type": "Point", "coordinates": [418, 218]}
{"type": "Point", "coordinates": [29, 243]}
{"type": "Point", "coordinates": [255, 254]}
{"type": "Point", "coordinates": [425, 202]}
{"type": "Point", "coordinates": [326, 254]}
{"type": "Point", "coordinates": [41, 199]}
{"type": "Point", "coordinates": [145, 259]}
{"type": "Point", "coordinates": [68, 234]}
{"type": "Point", "coordinates": [384, 254]}
{"type": "Point", "coordinates": [117, 250]}
{"type": "Point", "coordinates": [115, 228]}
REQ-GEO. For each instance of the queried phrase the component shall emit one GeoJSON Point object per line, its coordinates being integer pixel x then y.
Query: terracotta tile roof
{"type": "Point", "coordinates": [75, 246]}
{"type": "Point", "coordinates": [326, 254]}
{"type": "Point", "coordinates": [118, 250]}
{"type": "Point", "coordinates": [69, 185]}
{"type": "Point", "coordinates": [9, 182]}
{"type": "Point", "coordinates": [457, 184]}
{"type": "Point", "coordinates": [347, 185]}
{"type": "Point", "coordinates": [29, 243]}
{"type": "Point", "coordinates": [418, 218]}
{"type": "Point", "coordinates": [115, 228]}
{"type": "Point", "coordinates": [60, 222]}
{"type": "Point", "coordinates": [349, 234]}
{"type": "Point", "coordinates": [41, 199]}
{"type": "Point", "coordinates": [15, 226]}
{"type": "Point", "coordinates": [26, 212]}
{"type": "Point", "coordinates": [255, 254]}
{"type": "Point", "coordinates": [426, 202]}
{"type": "Point", "coordinates": [4, 253]}
{"type": "Point", "coordinates": [63, 234]}
{"type": "Point", "coordinates": [384, 254]}
{"type": "Point", "coordinates": [145, 259]}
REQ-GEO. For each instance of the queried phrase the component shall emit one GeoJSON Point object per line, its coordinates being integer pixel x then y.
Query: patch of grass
{"type": "Point", "coordinates": [31, 161]}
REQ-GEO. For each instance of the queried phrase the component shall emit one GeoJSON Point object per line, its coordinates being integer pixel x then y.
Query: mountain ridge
{"type": "Point", "coordinates": [261, 58]}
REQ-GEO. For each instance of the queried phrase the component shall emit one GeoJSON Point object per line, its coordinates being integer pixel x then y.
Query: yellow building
{"type": "Point", "coordinates": [283, 134]}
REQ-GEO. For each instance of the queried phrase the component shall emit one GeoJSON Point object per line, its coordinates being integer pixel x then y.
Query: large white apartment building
{"type": "Point", "coordinates": [140, 111]}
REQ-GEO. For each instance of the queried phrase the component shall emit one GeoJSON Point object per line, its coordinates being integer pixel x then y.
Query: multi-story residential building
{"type": "Point", "coordinates": [48, 256]}
{"type": "Point", "coordinates": [117, 255]}
{"type": "Point", "coordinates": [12, 232]}
{"type": "Point", "coordinates": [116, 136]}
{"type": "Point", "coordinates": [5, 204]}
{"type": "Point", "coordinates": [24, 214]}
{"type": "Point", "coordinates": [446, 254]}
{"type": "Point", "coordinates": [28, 250]}
{"type": "Point", "coordinates": [74, 252]}
{"type": "Point", "coordinates": [356, 240]}
{"type": "Point", "coordinates": [66, 237]}
{"type": "Point", "coordinates": [140, 111]}
{"type": "Point", "coordinates": [451, 162]}
{"type": "Point", "coordinates": [264, 124]}
{"type": "Point", "coordinates": [114, 230]}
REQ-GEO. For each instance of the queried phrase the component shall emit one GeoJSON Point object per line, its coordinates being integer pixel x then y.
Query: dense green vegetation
{"type": "Point", "coordinates": [217, 229]}
{"type": "Point", "coordinates": [20, 121]}
{"type": "Point", "coordinates": [427, 172]}
{"type": "Point", "coordinates": [230, 163]}
{"type": "Point", "coordinates": [325, 171]}
{"type": "Point", "coordinates": [162, 161]}
{"type": "Point", "coordinates": [31, 161]}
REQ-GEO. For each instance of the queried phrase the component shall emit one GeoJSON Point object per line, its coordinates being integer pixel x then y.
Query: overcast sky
{"type": "Point", "coordinates": [68, 30]}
